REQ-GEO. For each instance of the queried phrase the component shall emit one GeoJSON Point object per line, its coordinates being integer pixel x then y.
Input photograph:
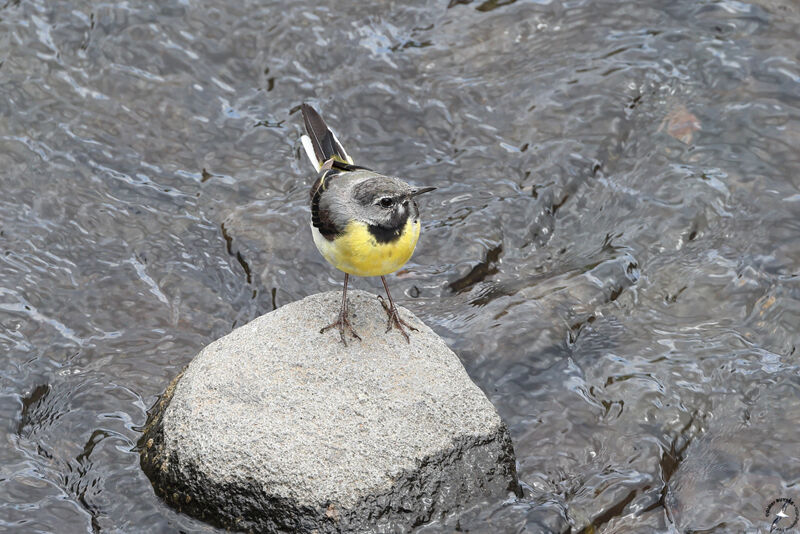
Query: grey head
{"type": "Point", "coordinates": [385, 203]}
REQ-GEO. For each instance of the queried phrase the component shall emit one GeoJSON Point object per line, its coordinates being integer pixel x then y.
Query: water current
{"type": "Point", "coordinates": [613, 249]}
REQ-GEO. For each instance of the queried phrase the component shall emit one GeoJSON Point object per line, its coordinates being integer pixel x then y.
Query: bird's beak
{"type": "Point", "coordinates": [415, 192]}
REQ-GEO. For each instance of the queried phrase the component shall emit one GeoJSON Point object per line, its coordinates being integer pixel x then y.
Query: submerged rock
{"type": "Point", "coordinates": [278, 428]}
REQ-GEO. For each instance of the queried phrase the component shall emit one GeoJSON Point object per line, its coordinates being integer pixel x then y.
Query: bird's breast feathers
{"type": "Point", "coordinates": [356, 250]}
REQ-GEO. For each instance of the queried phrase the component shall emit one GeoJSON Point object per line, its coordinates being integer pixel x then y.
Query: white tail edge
{"type": "Point", "coordinates": [309, 148]}
{"type": "Point", "coordinates": [346, 155]}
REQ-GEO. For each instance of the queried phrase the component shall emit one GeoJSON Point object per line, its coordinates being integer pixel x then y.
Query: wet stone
{"type": "Point", "coordinates": [278, 428]}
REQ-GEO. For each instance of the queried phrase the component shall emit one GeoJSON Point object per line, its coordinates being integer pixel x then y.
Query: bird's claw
{"type": "Point", "coordinates": [396, 320]}
{"type": "Point", "coordinates": [342, 324]}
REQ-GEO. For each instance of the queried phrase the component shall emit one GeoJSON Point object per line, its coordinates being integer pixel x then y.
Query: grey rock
{"type": "Point", "coordinates": [278, 428]}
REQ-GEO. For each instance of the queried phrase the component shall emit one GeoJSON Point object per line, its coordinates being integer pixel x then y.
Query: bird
{"type": "Point", "coordinates": [363, 222]}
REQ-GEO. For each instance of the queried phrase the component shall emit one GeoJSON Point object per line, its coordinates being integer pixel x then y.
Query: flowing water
{"type": "Point", "coordinates": [613, 250]}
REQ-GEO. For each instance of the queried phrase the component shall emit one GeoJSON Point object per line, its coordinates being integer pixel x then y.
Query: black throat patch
{"type": "Point", "coordinates": [391, 233]}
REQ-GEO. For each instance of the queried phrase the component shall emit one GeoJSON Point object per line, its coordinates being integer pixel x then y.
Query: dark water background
{"type": "Point", "coordinates": [613, 250]}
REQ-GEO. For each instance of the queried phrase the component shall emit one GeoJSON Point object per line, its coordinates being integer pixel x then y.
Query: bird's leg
{"type": "Point", "coordinates": [394, 315]}
{"type": "Point", "coordinates": [342, 323]}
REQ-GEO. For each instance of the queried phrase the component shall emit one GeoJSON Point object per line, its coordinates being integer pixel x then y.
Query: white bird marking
{"type": "Point", "coordinates": [310, 152]}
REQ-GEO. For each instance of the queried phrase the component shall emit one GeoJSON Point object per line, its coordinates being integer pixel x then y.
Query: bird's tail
{"type": "Point", "coordinates": [321, 143]}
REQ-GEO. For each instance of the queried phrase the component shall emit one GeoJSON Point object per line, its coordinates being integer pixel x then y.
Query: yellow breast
{"type": "Point", "coordinates": [356, 251]}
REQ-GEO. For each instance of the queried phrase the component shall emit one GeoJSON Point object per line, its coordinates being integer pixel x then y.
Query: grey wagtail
{"type": "Point", "coordinates": [364, 223]}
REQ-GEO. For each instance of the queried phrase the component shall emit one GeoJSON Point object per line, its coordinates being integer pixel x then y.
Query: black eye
{"type": "Point", "coordinates": [387, 202]}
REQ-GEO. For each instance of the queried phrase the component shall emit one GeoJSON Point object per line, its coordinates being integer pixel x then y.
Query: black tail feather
{"type": "Point", "coordinates": [322, 139]}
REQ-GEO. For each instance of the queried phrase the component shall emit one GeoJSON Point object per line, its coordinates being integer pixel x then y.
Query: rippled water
{"type": "Point", "coordinates": [613, 250]}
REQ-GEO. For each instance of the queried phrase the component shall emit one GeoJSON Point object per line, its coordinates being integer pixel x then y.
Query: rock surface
{"type": "Point", "coordinates": [278, 428]}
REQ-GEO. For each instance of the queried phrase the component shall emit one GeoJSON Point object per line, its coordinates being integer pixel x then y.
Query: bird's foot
{"type": "Point", "coordinates": [342, 324]}
{"type": "Point", "coordinates": [395, 319]}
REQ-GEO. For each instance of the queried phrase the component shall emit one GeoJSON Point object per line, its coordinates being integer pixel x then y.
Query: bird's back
{"type": "Point", "coordinates": [331, 199]}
